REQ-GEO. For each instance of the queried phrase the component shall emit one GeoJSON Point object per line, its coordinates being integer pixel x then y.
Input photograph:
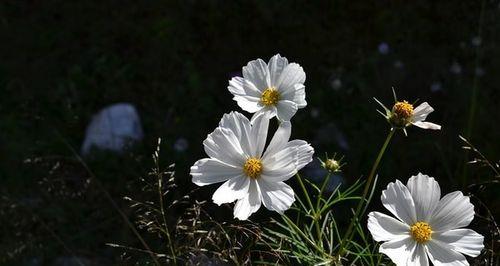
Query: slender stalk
{"type": "Point", "coordinates": [304, 190]}
{"type": "Point", "coordinates": [323, 186]}
{"type": "Point", "coordinates": [313, 210]}
{"type": "Point", "coordinates": [159, 174]}
{"type": "Point", "coordinates": [348, 235]}
{"type": "Point", "coordinates": [317, 213]}
{"type": "Point", "coordinates": [162, 210]}
{"type": "Point", "coordinates": [297, 229]}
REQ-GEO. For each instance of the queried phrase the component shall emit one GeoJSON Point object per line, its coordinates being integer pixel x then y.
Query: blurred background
{"type": "Point", "coordinates": [65, 65]}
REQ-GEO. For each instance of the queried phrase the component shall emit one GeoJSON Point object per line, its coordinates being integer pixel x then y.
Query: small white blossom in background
{"type": "Point", "coordinates": [336, 84]}
{"type": "Point", "coordinates": [403, 114]}
{"type": "Point", "coordinates": [251, 174]}
{"type": "Point", "coordinates": [476, 41]}
{"type": "Point", "coordinates": [276, 88]}
{"type": "Point", "coordinates": [479, 71]}
{"type": "Point", "coordinates": [398, 64]}
{"type": "Point", "coordinates": [436, 86]}
{"type": "Point", "coordinates": [181, 145]}
{"type": "Point", "coordinates": [426, 226]}
{"type": "Point", "coordinates": [383, 48]}
{"type": "Point", "coordinates": [456, 68]}
{"type": "Point", "coordinates": [314, 112]}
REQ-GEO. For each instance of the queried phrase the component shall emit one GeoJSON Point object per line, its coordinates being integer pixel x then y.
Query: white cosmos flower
{"type": "Point", "coordinates": [403, 114]}
{"type": "Point", "coordinates": [425, 225]}
{"type": "Point", "coordinates": [251, 175]}
{"type": "Point", "coordinates": [276, 87]}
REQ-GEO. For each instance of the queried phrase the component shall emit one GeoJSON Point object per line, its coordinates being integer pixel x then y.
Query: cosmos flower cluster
{"type": "Point", "coordinates": [254, 174]}
{"type": "Point", "coordinates": [426, 226]}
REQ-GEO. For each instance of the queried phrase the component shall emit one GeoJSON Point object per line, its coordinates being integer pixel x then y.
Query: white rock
{"type": "Point", "coordinates": [113, 128]}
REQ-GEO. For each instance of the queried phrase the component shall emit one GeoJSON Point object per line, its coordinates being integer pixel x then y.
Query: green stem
{"type": "Point", "coordinates": [309, 202]}
{"type": "Point", "coordinates": [323, 186]}
{"type": "Point", "coordinates": [349, 233]}
{"type": "Point", "coordinates": [304, 190]}
{"type": "Point", "coordinates": [303, 235]}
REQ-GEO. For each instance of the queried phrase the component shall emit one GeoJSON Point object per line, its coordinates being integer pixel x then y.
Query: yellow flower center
{"type": "Point", "coordinates": [421, 232]}
{"type": "Point", "coordinates": [270, 96]}
{"type": "Point", "coordinates": [253, 168]}
{"type": "Point", "coordinates": [403, 110]}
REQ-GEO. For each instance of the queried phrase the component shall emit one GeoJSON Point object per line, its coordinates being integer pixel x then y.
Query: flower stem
{"type": "Point", "coordinates": [313, 210]}
{"type": "Point", "coordinates": [304, 190]}
{"type": "Point", "coordinates": [349, 233]}
{"type": "Point", "coordinates": [323, 186]}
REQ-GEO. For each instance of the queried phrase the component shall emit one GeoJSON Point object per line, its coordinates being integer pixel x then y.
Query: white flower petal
{"type": "Point", "coordinates": [276, 196]}
{"type": "Point", "coordinates": [291, 75]}
{"type": "Point", "coordinates": [240, 126]}
{"type": "Point", "coordinates": [245, 94]}
{"type": "Point", "coordinates": [282, 164]}
{"type": "Point", "coordinates": [247, 103]}
{"type": "Point", "coordinates": [233, 189]}
{"type": "Point", "coordinates": [442, 254]}
{"type": "Point", "coordinates": [426, 193]}
{"type": "Point", "coordinates": [297, 150]}
{"type": "Point", "coordinates": [419, 257]}
{"type": "Point", "coordinates": [296, 95]}
{"type": "Point", "coordinates": [258, 134]}
{"type": "Point", "coordinates": [384, 228]}
{"type": "Point", "coordinates": [285, 110]}
{"type": "Point", "coordinates": [239, 86]}
{"type": "Point", "coordinates": [398, 200]}
{"type": "Point", "coordinates": [269, 111]}
{"type": "Point", "coordinates": [222, 144]}
{"type": "Point", "coordinates": [300, 96]}
{"type": "Point", "coordinates": [420, 113]}
{"type": "Point", "coordinates": [454, 210]}
{"type": "Point", "coordinates": [465, 241]}
{"type": "Point", "coordinates": [279, 174]}
{"type": "Point", "coordinates": [427, 125]}
{"type": "Point", "coordinates": [305, 152]}
{"type": "Point", "coordinates": [280, 138]}
{"type": "Point", "coordinates": [276, 64]}
{"type": "Point", "coordinates": [399, 250]}
{"type": "Point", "coordinates": [257, 72]}
{"type": "Point", "coordinates": [209, 171]}
{"type": "Point", "coordinates": [249, 204]}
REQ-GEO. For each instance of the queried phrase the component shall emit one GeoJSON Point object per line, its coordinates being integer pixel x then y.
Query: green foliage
{"type": "Point", "coordinates": [309, 233]}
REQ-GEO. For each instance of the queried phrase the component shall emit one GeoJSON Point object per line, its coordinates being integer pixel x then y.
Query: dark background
{"type": "Point", "coordinates": [62, 61]}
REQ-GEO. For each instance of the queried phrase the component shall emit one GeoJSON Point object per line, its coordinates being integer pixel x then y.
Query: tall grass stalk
{"type": "Point", "coordinates": [159, 173]}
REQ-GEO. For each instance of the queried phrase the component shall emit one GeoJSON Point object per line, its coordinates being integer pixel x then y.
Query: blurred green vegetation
{"type": "Point", "coordinates": [62, 61]}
